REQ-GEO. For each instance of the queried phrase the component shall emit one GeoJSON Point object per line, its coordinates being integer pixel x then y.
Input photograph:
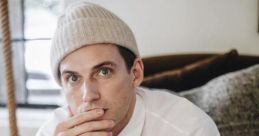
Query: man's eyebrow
{"type": "Point", "coordinates": [102, 64]}
{"type": "Point", "coordinates": [68, 72]}
{"type": "Point", "coordinates": [94, 68]}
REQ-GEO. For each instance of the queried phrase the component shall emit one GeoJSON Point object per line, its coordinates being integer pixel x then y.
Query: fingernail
{"type": "Point", "coordinates": [99, 111]}
{"type": "Point", "coordinates": [112, 123]}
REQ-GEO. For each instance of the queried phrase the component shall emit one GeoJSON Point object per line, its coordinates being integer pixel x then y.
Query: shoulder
{"type": "Point", "coordinates": [48, 128]}
{"type": "Point", "coordinates": [176, 113]}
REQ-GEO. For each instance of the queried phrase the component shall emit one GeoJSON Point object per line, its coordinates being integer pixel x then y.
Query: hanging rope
{"type": "Point", "coordinates": [7, 55]}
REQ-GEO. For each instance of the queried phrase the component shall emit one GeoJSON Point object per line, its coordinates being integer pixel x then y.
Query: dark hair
{"type": "Point", "coordinates": [128, 56]}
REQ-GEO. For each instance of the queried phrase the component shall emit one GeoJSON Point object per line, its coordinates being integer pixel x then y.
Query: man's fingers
{"type": "Point", "coordinates": [92, 126]}
{"type": "Point", "coordinates": [81, 118]}
{"type": "Point", "coordinates": [97, 134]}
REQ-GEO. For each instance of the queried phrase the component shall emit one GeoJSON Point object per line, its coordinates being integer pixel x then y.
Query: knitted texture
{"type": "Point", "coordinates": [85, 24]}
{"type": "Point", "coordinates": [232, 100]}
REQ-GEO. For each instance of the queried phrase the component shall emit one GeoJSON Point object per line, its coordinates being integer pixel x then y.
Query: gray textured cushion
{"type": "Point", "coordinates": [232, 100]}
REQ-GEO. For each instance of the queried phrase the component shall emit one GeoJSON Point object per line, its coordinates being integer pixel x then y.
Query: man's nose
{"type": "Point", "coordinates": [90, 91]}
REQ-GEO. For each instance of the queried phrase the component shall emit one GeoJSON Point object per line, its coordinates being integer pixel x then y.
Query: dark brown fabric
{"type": "Point", "coordinates": [157, 64]}
{"type": "Point", "coordinates": [194, 74]}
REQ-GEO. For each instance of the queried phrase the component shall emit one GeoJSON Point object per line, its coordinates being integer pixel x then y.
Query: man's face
{"type": "Point", "coordinates": [96, 77]}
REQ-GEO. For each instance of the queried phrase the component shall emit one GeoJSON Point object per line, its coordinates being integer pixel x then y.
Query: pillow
{"type": "Point", "coordinates": [232, 100]}
{"type": "Point", "coordinates": [192, 75]}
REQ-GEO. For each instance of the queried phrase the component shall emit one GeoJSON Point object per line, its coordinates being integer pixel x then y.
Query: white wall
{"type": "Point", "coordinates": [177, 26]}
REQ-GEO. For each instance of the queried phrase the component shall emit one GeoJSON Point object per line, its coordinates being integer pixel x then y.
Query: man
{"type": "Point", "coordinates": [95, 59]}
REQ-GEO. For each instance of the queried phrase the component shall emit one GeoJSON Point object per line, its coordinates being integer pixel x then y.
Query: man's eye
{"type": "Point", "coordinates": [73, 78]}
{"type": "Point", "coordinates": [104, 72]}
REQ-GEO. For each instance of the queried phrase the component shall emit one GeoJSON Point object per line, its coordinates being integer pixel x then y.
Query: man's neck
{"type": "Point", "coordinates": [123, 123]}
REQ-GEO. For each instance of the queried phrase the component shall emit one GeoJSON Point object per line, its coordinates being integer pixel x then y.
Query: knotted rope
{"type": "Point", "coordinates": [7, 56]}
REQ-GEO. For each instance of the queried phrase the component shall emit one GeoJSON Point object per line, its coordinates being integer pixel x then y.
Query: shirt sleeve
{"type": "Point", "coordinates": [207, 129]}
{"type": "Point", "coordinates": [45, 130]}
{"type": "Point", "coordinates": [48, 128]}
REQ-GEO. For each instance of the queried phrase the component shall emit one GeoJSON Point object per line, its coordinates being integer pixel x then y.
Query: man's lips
{"type": "Point", "coordinates": [86, 108]}
{"type": "Point", "coordinates": [104, 109]}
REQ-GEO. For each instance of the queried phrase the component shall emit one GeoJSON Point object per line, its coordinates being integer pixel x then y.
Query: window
{"type": "Point", "coordinates": [33, 23]}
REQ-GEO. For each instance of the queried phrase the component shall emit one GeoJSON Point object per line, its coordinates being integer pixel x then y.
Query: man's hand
{"type": "Point", "coordinates": [85, 124]}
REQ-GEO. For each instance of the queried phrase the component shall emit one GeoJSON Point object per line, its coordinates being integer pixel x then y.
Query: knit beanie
{"type": "Point", "coordinates": [83, 24]}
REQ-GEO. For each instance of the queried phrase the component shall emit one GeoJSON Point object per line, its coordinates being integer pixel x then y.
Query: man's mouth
{"type": "Point", "coordinates": [86, 108]}
{"type": "Point", "coordinates": [104, 109]}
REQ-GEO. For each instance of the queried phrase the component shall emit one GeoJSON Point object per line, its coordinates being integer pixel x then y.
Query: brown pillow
{"type": "Point", "coordinates": [192, 75]}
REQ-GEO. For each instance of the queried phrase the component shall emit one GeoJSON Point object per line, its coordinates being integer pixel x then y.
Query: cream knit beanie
{"type": "Point", "coordinates": [84, 24]}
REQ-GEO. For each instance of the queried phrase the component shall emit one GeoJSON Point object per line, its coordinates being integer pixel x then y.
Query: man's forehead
{"type": "Point", "coordinates": [90, 56]}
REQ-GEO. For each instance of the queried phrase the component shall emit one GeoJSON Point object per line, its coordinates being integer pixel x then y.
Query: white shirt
{"type": "Point", "coordinates": [156, 113]}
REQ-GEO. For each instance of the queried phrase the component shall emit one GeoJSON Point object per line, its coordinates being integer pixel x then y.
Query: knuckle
{"type": "Point", "coordinates": [59, 128]}
{"type": "Point", "coordinates": [61, 125]}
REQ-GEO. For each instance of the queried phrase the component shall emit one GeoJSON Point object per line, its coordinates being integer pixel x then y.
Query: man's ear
{"type": "Point", "coordinates": [138, 72]}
